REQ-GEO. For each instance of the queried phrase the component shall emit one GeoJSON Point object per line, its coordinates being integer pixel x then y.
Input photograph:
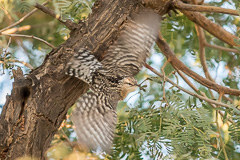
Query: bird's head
{"type": "Point", "coordinates": [129, 84]}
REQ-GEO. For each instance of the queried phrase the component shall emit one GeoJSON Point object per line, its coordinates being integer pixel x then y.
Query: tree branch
{"type": "Point", "coordinates": [28, 36]}
{"type": "Point", "coordinates": [202, 56]}
{"type": "Point", "coordinates": [178, 65]}
{"type": "Point", "coordinates": [202, 42]}
{"type": "Point", "coordinates": [222, 48]}
{"type": "Point", "coordinates": [68, 23]}
{"type": "Point", "coordinates": [214, 29]}
{"type": "Point", "coordinates": [199, 8]}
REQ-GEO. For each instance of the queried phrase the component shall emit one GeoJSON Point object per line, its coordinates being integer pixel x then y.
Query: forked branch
{"type": "Point", "coordinates": [178, 65]}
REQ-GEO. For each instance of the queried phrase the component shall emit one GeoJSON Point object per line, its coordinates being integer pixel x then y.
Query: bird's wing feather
{"type": "Point", "coordinates": [95, 120]}
{"type": "Point", "coordinates": [83, 65]}
{"type": "Point", "coordinates": [129, 52]}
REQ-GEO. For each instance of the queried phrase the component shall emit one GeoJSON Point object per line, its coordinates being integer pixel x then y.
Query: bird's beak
{"type": "Point", "coordinates": [138, 85]}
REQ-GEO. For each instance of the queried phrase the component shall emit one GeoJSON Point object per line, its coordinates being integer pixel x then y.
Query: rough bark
{"type": "Point", "coordinates": [39, 101]}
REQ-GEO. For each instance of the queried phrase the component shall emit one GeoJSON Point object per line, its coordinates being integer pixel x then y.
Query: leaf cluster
{"type": "Point", "coordinates": [179, 128]}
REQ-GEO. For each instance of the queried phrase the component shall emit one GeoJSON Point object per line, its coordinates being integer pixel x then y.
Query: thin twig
{"type": "Point", "coordinates": [5, 52]}
{"type": "Point", "coordinates": [28, 36]}
{"type": "Point", "coordinates": [222, 48]}
{"type": "Point", "coordinates": [200, 8]}
{"type": "Point", "coordinates": [22, 19]}
{"type": "Point", "coordinates": [17, 61]}
{"type": "Point", "coordinates": [68, 23]}
{"type": "Point", "coordinates": [187, 81]}
{"type": "Point", "coordinates": [202, 55]}
{"type": "Point", "coordinates": [164, 81]}
{"type": "Point", "coordinates": [187, 91]}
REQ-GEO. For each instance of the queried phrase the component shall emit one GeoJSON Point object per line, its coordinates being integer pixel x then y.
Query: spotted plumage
{"type": "Point", "coordinates": [83, 65]}
{"type": "Point", "coordinates": [110, 80]}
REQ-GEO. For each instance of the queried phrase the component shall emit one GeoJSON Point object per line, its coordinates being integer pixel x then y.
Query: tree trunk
{"type": "Point", "coordinates": [39, 102]}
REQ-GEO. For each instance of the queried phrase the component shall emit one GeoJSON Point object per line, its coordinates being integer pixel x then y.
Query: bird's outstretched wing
{"type": "Point", "coordinates": [129, 52]}
{"type": "Point", "coordinates": [126, 56]}
{"type": "Point", "coordinates": [95, 119]}
{"type": "Point", "coordinates": [83, 65]}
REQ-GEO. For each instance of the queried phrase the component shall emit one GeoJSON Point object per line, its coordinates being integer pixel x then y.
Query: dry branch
{"type": "Point", "coordinates": [9, 42]}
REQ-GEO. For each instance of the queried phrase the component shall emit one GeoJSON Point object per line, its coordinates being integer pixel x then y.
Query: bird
{"type": "Point", "coordinates": [110, 80]}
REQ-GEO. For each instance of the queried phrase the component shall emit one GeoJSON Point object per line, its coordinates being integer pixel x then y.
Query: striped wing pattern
{"type": "Point", "coordinates": [83, 65]}
{"type": "Point", "coordinates": [95, 121]}
{"type": "Point", "coordinates": [128, 54]}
